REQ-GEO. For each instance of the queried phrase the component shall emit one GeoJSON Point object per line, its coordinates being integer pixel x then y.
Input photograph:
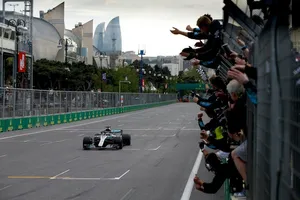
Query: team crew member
{"type": "Point", "coordinates": [207, 54]}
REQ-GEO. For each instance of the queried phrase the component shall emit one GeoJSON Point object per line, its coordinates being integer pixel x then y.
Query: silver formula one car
{"type": "Point", "coordinates": [109, 137]}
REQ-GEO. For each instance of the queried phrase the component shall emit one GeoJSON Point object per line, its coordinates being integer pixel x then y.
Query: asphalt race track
{"type": "Point", "coordinates": [49, 163]}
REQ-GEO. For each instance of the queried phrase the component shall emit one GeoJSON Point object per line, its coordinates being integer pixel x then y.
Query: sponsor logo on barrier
{"type": "Point", "coordinates": [70, 118]}
{"type": "Point", "coordinates": [29, 123]}
{"type": "Point", "coordinates": [52, 120]}
{"type": "Point", "coordinates": [75, 118]}
{"type": "Point", "coordinates": [38, 124]}
{"type": "Point", "coordinates": [45, 121]}
{"type": "Point", "coordinates": [84, 116]}
{"type": "Point", "coordinates": [65, 118]}
{"type": "Point", "coordinates": [20, 126]}
{"type": "Point", "coordinates": [1, 129]}
{"type": "Point", "coordinates": [58, 119]}
{"type": "Point", "coordinates": [10, 127]}
{"type": "Point", "coordinates": [80, 118]}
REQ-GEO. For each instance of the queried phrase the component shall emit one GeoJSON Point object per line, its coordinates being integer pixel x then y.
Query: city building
{"type": "Point", "coordinates": [50, 36]}
{"type": "Point", "coordinates": [173, 63]}
{"type": "Point", "coordinates": [109, 41]}
{"type": "Point", "coordinates": [99, 36]}
{"type": "Point", "coordinates": [173, 68]}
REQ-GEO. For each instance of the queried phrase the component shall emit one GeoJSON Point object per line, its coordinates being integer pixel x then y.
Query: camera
{"type": "Point", "coordinates": [201, 145]}
{"type": "Point", "coordinates": [226, 49]}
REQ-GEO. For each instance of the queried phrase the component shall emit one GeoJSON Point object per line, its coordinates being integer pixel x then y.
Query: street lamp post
{"type": "Point", "coordinates": [141, 53]}
{"type": "Point", "coordinates": [20, 26]}
{"type": "Point", "coordinates": [120, 88]}
{"type": "Point", "coordinates": [68, 43]}
{"type": "Point", "coordinates": [101, 56]}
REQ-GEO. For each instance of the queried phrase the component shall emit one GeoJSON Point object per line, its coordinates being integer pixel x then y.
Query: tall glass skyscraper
{"type": "Point", "coordinates": [111, 40]}
{"type": "Point", "coordinates": [99, 36]}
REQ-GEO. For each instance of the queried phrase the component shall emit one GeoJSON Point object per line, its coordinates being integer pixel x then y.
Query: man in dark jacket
{"type": "Point", "coordinates": [193, 33]}
{"type": "Point", "coordinates": [207, 54]}
{"type": "Point", "coordinates": [222, 172]}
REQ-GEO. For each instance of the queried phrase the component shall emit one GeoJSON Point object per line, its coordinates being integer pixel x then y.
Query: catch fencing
{"type": "Point", "coordinates": [15, 102]}
{"type": "Point", "coordinates": [24, 109]}
{"type": "Point", "coordinates": [273, 169]}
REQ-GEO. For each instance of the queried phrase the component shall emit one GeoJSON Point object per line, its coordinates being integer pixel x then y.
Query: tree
{"type": "Point", "coordinates": [81, 77]}
{"type": "Point", "coordinates": [190, 76]}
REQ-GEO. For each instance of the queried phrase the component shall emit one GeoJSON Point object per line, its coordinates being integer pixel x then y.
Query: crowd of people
{"type": "Point", "coordinates": [224, 136]}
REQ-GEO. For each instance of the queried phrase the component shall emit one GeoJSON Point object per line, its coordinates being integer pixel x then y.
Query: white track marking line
{"type": "Point", "coordinates": [80, 135]}
{"type": "Point", "coordinates": [3, 156]}
{"type": "Point", "coordinates": [118, 178]}
{"type": "Point", "coordinates": [168, 135]}
{"type": "Point", "coordinates": [8, 186]}
{"type": "Point", "coordinates": [73, 159]}
{"type": "Point", "coordinates": [170, 129]}
{"type": "Point", "coordinates": [54, 177]}
{"type": "Point", "coordinates": [121, 125]}
{"type": "Point", "coordinates": [132, 149]}
{"type": "Point", "coordinates": [155, 148]}
{"type": "Point", "coordinates": [127, 193]}
{"type": "Point", "coordinates": [190, 183]}
{"type": "Point", "coordinates": [71, 126]}
{"type": "Point", "coordinates": [86, 179]}
{"type": "Point", "coordinates": [46, 143]}
{"type": "Point", "coordinates": [61, 140]}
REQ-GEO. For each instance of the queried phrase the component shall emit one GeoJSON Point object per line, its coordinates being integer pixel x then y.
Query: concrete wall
{"type": "Point", "coordinates": [85, 33]}
{"type": "Point", "coordinates": [88, 40]}
{"type": "Point", "coordinates": [56, 17]}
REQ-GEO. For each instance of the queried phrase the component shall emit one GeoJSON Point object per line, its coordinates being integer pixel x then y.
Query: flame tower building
{"type": "Point", "coordinates": [109, 40]}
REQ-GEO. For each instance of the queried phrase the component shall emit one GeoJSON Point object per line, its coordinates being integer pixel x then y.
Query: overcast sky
{"type": "Point", "coordinates": [142, 22]}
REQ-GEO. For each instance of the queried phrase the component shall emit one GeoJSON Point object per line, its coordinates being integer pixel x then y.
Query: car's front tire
{"type": "Point", "coordinates": [126, 139]}
{"type": "Point", "coordinates": [87, 142]}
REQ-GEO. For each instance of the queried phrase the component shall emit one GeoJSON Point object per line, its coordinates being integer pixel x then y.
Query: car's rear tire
{"type": "Point", "coordinates": [126, 139]}
{"type": "Point", "coordinates": [87, 142]}
{"type": "Point", "coordinates": [119, 143]}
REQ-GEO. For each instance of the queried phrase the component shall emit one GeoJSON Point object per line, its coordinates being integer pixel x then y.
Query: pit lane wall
{"type": "Point", "coordinates": [20, 123]}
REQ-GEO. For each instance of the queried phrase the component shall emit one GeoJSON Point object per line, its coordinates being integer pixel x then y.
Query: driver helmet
{"type": "Point", "coordinates": [108, 128]}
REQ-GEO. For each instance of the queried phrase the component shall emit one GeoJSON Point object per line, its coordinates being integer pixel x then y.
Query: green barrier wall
{"type": "Point", "coordinates": [12, 124]}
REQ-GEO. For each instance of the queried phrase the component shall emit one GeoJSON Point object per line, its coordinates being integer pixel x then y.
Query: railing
{"type": "Point", "coordinates": [15, 102]}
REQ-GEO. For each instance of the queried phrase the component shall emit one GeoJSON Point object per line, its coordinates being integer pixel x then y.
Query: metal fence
{"type": "Point", "coordinates": [274, 142]}
{"type": "Point", "coordinates": [22, 102]}
{"type": "Point", "coordinates": [275, 162]}
{"type": "Point", "coordinates": [273, 168]}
